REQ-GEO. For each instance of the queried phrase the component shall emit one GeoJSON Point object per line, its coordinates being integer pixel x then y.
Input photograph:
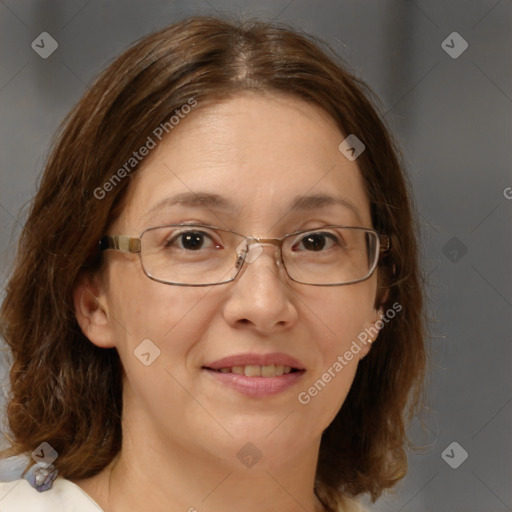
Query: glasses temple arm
{"type": "Point", "coordinates": [120, 243]}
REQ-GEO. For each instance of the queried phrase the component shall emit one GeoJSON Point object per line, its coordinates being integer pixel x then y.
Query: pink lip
{"type": "Point", "coordinates": [276, 358]}
{"type": "Point", "coordinates": [257, 386]}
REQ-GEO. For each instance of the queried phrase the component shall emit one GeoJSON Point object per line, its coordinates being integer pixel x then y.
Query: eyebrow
{"type": "Point", "coordinates": [216, 202]}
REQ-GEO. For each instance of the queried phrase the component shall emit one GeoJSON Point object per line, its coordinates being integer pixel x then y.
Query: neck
{"type": "Point", "coordinates": [194, 487]}
{"type": "Point", "coordinates": [155, 473]}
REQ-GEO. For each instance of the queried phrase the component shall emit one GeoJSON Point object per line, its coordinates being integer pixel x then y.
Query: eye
{"type": "Point", "coordinates": [192, 240]}
{"type": "Point", "coordinates": [317, 241]}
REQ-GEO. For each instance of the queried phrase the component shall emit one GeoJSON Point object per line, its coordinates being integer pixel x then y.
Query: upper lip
{"type": "Point", "coordinates": [275, 358]}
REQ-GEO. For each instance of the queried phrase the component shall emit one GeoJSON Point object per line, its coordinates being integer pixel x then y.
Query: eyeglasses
{"type": "Point", "coordinates": [199, 255]}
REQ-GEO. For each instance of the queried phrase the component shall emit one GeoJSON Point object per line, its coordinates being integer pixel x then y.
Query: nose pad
{"type": "Point", "coordinates": [250, 250]}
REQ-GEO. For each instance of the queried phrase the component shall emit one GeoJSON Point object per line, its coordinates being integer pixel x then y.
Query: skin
{"type": "Point", "coordinates": [181, 429]}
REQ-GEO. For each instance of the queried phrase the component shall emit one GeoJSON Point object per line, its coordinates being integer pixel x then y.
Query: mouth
{"type": "Point", "coordinates": [257, 386]}
{"type": "Point", "coordinates": [256, 375]}
{"type": "Point", "coordinates": [258, 365]}
{"type": "Point", "coordinates": [266, 371]}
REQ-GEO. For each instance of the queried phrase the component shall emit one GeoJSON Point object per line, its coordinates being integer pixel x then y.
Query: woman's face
{"type": "Point", "coordinates": [259, 154]}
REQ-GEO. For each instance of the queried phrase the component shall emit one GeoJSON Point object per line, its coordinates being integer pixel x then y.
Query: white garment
{"type": "Point", "coordinates": [347, 505]}
{"type": "Point", "coordinates": [64, 496]}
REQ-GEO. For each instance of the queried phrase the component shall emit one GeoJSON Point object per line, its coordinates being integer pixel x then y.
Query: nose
{"type": "Point", "coordinates": [260, 294]}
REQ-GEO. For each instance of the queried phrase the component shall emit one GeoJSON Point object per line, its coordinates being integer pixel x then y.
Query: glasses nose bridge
{"type": "Point", "coordinates": [276, 242]}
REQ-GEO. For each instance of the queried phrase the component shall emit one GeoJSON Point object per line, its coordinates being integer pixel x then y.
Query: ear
{"type": "Point", "coordinates": [371, 332]}
{"type": "Point", "coordinates": [91, 311]}
{"type": "Point", "coordinates": [373, 328]}
{"type": "Point", "coordinates": [383, 300]}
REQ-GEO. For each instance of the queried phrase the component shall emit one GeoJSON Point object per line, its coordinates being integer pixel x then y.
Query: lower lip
{"type": "Point", "coordinates": [257, 386]}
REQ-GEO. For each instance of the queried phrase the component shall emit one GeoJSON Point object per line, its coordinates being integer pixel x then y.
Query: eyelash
{"type": "Point", "coordinates": [300, 238]}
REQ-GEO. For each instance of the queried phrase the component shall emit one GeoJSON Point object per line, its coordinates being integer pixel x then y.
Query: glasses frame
{"type": "Point", "coordinates": [130, 244]}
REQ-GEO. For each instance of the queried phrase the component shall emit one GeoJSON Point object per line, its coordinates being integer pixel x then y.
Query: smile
{"type": "Point", "coordinates": [251, 370]}
{"type": "Point", "coordinates": [256, 381]}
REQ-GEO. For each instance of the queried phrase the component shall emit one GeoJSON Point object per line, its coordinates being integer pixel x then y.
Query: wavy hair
{"type": "Point", "coordinates": [68, 392]}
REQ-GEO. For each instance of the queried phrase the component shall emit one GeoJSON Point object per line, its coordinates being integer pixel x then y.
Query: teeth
{"type": "Point", "coordinates": [252, 371]}
{"type": "Point", "coordinates": [258, 371]}
{"type": "Point", "coordinates": [272, 370]}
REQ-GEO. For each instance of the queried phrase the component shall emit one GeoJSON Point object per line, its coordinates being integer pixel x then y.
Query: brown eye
{"type": "Point", "coordinates": [192, 240]}
{"type": "Point", "coordinates": [315, 242]}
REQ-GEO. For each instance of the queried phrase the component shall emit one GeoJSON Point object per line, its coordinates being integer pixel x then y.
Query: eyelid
{"type": "Point", "coordinates": [183, 224]}
{"type": "Point", "coordinates": [199, 224]}
{"type": "Point", "coordinates": [301, 235]}
{"type": "Point", "coordinates": [315, 229]}
{"type": "Point", "coordinates": [178, 231]}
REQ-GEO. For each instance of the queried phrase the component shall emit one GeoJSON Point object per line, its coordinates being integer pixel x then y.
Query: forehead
{"type": "Point", "coordinates": [250, 157]}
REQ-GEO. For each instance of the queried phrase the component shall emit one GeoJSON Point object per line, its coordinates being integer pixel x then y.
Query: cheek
{"type": "Point", "coordinates": [339, 317]}
{"type": "Point", "coordinates": [172, 317]}
{"type": "Point", "coordinates": [342, 314]}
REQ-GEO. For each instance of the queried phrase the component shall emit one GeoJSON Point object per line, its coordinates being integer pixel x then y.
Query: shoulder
{"type": "Point", "coordinates": [64, 496]}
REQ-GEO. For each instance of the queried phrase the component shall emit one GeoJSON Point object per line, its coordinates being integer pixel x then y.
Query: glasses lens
{"type": "Point", "coordinates": [331, 255]}
{"type": "Point", "coordinates": [201, 255]}
{"type": "Point", "coordinates": [189, 254]}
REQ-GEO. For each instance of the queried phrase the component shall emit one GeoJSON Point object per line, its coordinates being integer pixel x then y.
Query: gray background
{"type": "Point", "coordinates": [453, 118]}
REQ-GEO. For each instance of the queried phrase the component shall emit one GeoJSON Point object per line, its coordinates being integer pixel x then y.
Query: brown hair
{"type": "Point", "coordinates": [65, 390]}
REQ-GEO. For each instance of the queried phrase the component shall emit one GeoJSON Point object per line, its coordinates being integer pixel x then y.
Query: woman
{"type": "Point", "coordinates": [216, 303]}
